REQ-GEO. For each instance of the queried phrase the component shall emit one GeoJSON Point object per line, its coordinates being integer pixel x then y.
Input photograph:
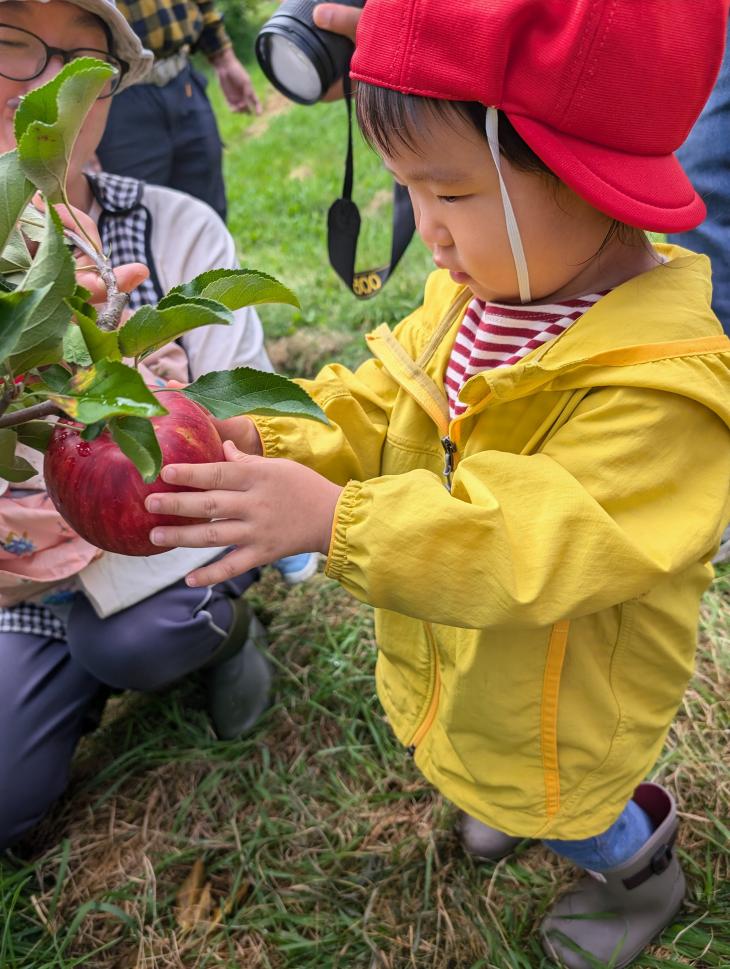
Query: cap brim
{"type": "Point", "coordinates": [648, 191]}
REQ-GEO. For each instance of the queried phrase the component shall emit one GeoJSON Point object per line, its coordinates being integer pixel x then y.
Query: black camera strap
{"type": "Point", "coordinates": [343, 227]}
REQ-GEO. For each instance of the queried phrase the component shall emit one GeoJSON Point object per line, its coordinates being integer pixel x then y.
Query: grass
{"type": "Point", "coordinates": [315, 844]}
{"type": "Point", "coordinates": [318, 833]}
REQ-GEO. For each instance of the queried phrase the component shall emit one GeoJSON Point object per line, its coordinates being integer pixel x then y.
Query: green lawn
{"type": "Point", "coordinates": [320, 845]}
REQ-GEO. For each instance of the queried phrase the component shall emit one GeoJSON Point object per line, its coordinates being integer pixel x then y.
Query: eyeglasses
{"type": "Point", "coordinates": [23, 56]}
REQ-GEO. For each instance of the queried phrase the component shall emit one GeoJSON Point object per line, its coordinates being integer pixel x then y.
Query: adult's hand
{"type": "Point", "coordinates": [339, 19]}
{"type": "Point", "coordinates": [235, 83]}
{"type": "Point", "coordinates": [128, 276]}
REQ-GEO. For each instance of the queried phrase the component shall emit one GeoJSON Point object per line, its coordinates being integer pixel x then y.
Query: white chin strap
{"type": "Point", "coordinates": [515, 241]}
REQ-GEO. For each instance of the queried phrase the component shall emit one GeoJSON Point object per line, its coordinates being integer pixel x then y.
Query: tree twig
{"type": "Point", "coordinates": [35, 412]}
{"type": "Point", "coordinates": [116, 301]}
{"type": "Point", "coordinates": [9, 393]}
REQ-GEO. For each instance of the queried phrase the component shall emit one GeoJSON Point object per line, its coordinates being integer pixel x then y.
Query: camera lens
{"type": "Point", "coordinates": [294, 71]}
{"type": "Point", "coordinates": [298, 58]}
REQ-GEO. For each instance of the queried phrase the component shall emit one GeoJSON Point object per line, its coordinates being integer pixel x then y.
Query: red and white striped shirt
{"type": "Point", "coordinates": [496, 335]}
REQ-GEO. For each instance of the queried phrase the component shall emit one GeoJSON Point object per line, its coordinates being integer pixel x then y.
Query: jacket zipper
{"type": "Point", "coordinates": [449, 452]}
{"type": "Point", "coordinates": [449, 462]}
{"type": "Point", "coordinates": [402, 375]}
{"type": "Point", "coordinates": [433, 703]}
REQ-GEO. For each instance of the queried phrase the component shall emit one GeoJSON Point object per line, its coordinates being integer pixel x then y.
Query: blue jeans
{"type": "Point", "coordinates": [705, 156]}
{"type": "Point", "coordinates": [611, 849]}
{"type": "Point", "coordinates": [167, 136]}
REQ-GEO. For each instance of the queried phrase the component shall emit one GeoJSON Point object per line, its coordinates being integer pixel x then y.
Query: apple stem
{"type": "Point", "coordinates": [116, 302]}
{"type": "Point", "coordinates": [44, 409]}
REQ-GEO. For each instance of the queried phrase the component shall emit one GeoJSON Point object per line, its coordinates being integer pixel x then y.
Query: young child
{"type": "Point", "coordinates": [529, 478]}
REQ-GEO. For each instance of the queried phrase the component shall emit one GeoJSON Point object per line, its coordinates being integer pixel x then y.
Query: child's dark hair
{"type": "Point", "coordinates": [389, 119]}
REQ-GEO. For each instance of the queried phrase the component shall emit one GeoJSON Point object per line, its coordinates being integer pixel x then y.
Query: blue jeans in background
{"type": "Point", "coordinates": [167, 136]}
{"type": "Point", "coordinates": [705, 156]}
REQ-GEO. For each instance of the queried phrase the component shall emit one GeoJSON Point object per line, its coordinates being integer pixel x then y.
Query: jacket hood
{"type": "Point", "coordinates": [656, 331]}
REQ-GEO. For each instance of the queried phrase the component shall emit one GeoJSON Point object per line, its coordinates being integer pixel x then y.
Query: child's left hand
{"type": "Point", "coordinates": [269, 507]}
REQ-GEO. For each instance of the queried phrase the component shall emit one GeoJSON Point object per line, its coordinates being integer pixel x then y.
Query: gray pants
{"type": "Point", "coordinates": [49, 687]}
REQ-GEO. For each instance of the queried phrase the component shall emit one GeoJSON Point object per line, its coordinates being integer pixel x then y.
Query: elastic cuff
{"type": "Point", "coordinates": [344, 511]}
{"type": "Point", "coordinates": [270, 445]}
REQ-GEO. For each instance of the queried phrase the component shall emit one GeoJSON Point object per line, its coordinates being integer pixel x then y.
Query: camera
{"type": "Point", "coordinates": [299, 59]}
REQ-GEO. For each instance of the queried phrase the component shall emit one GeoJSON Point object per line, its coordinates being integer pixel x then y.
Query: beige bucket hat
{"type": "Point", "coordinates": [127, 45]}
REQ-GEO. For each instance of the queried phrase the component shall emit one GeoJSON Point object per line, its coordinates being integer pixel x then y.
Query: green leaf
{"type": "Point", "coordinates": [15, 190]}
{"type": "Point", "coordinates": [32, 223]}
{"type": "Point", "coordinates": [15, 257]}
{"type": "Point", "coordinates": [247, 391]}
{"type": "Point", "coordinates": [17, 310]}
{"type": "Point", "coordinates": [92, 431]}
{"type": "Point", "coordinates": [235, 288]}
{"type": "Point", "coordinates": [152, 327]}
{"type": "Point", "coordinates": [13, 468]}
{"type": "Point", "coordinates": [75, 349]}
{"type": "Point", "coordinates": [52, 271]}
{"type": "Point", "coordinates": [49, 118]}
{"type": "Point", "coordinates": [100, 344]}
{"type": "Point", "coordinates": [35, 434]}
{"type": "Point", "coordinates": [108, 389]}
{"type": "Point", "coordinates": [56, 378]}
{"type": "Point", "coordinates": [137, 439]}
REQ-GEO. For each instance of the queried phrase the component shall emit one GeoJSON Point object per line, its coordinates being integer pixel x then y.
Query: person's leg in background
{"type": "Point", "coordinates": [167, 135]}
{"type": "Point", "coordinates": [705, 156]}
{"type": "Point", "coordinates": [173, 633]}
{"type": "Point", "coordinates": [197, 148]}
{"type": "Point", "coordinates": [45, 701]}
{"type": "Point", "coordinates": [137, 139]}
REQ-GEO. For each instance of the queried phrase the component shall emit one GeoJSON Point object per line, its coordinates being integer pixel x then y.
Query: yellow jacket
{"type": "Point", "coordinates": [536, 624]}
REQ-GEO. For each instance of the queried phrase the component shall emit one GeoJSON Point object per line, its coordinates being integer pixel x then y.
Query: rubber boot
{"type": "Point", "coordinates": [610, 916]}
{"type": "Point", "coordinates": [238, 676]}
{"type": "Point", "coordinates": [482, 842]}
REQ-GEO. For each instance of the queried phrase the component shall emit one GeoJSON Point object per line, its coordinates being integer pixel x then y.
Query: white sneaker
{"type": "Point", "coordinates": [298, 568]}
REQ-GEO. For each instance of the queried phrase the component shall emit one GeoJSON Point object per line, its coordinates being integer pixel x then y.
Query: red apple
{"type": "Point", "coordinates": [101, 494]}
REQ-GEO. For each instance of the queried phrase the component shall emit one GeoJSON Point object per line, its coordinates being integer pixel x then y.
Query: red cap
{"type": "Point", "coordinates": [604, 91]}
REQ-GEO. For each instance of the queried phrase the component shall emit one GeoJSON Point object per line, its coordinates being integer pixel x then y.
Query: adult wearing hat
{"type": "Point", "coordinates": [58, 657]}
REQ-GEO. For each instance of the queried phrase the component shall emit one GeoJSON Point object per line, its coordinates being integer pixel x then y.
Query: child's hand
{"type": "Point", "coordinates": [269, 507]}
{"type": "Point", "coordinates": [242, 431]}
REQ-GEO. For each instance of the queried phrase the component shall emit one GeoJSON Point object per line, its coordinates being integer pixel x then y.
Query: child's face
{"type": "Point", "coordinates": [457, 203]}
{"type": "Point", "coordinates": [62, 25]}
